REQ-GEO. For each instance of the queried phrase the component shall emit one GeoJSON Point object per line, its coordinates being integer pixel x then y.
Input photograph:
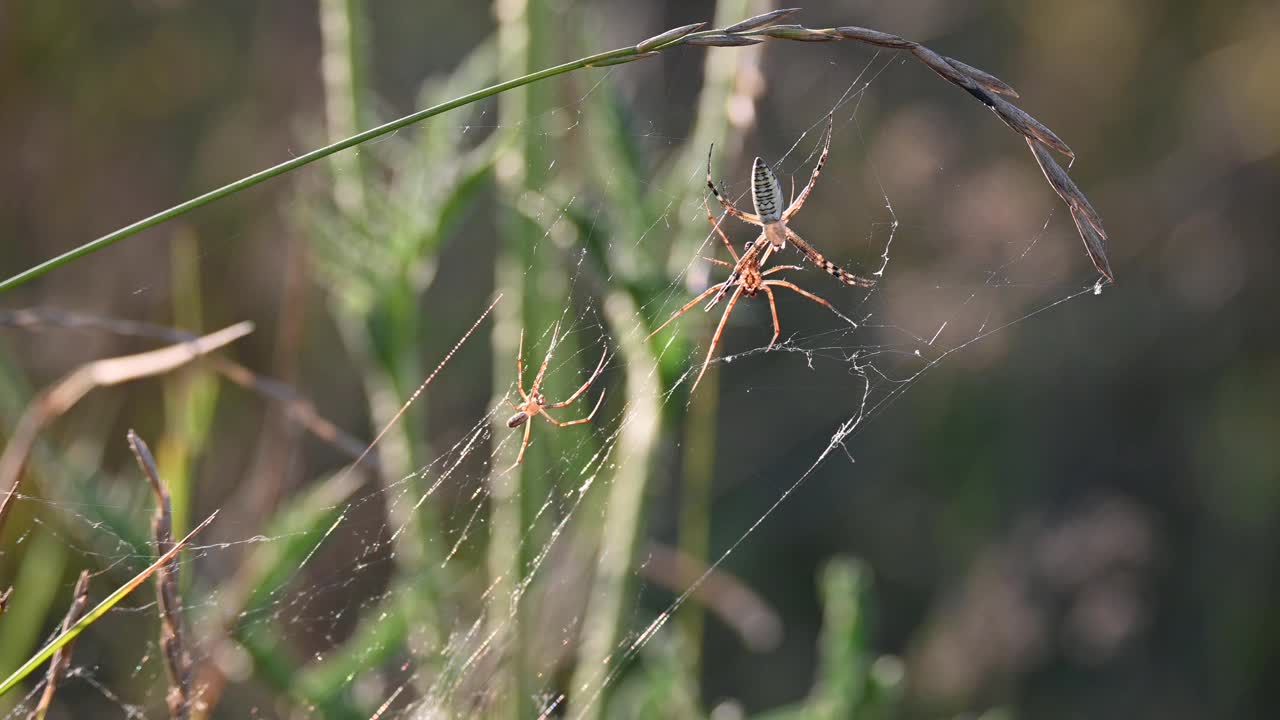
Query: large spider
{"type": "Point", "coordinates": [766, 195]}
{"type": "Point", "coordinates": [750, 280]}
{"type": "Point", "coordinates": [535, 403]}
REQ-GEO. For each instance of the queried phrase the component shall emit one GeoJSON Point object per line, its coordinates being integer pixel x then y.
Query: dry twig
{"type": "Point", "coordinates": [62, 395]}
{"type": "Point", "coordinates": [733, 601]}
{"type": "Point", "coordinates": [296, 406]}
{"type": "Point", "coordinates": [62, 658]}
{"type": "Point", "coordinates": [177, 660]}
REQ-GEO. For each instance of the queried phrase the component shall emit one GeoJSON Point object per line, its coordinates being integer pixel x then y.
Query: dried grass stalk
{"type": "Point", "coordinates": [177, 659]}
{"type": "Point", "coordinates": [62, 395]}
{"type": "Point", "coordinates": [296, 406]}
{"type": "Point", "coordinates": [61, 661]}
{"type": "Point", "coordinates": [737, 605]}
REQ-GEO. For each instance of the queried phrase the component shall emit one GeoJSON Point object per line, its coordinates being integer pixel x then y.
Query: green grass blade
{"type": "Point", "coordinates": [301, 160]}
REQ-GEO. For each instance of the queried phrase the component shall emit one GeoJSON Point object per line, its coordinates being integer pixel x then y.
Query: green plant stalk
{"type": "Point", "coordinates": [695, 502]}
{"type": "Point", "coordinates": [721, 73]}
{"type": "Point", "coordinates": [190, 398]}
{"type": "Point", "coordinates": [522, 28]}
{"type": "Point", "coordinates": [35, 586]}
{"type": "Point", "coordinates": [342, 68]}
{"type": "Point", "coordinates": [390, 335]}
{"type": "Point", "coordinates": [624, 515]}
{"type": "Point", "coordinates": [97, 612]}
{"type": "Point", "coordinates": [843, 666]}
{"type": "Point", "coordinates": [300, 526]}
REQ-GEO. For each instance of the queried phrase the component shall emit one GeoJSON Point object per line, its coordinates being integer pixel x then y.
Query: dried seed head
{"type": "Point", "coordinates": [1022, 123]}
{"type": "Point", "coordinates": [1087, 220]}
{"type": "Point", "coordinates": [799, 32]}
{"type": "Point", "coordinates": [668, 36]}
{"type": "Point", "coordinates": [623, 60]}
{"type": "Point", "coordinates": [984, 79]}
{"type": "Point", "coordinates": [874, 37]}
{"type": "Point", "coordinates": [939, 64]}
{"type": "Point", "coordinates": [723, 40]}
{"type": "Point", "coordinates": [1066, 187]}
{"type": "Point", "coordinates": [762, 20]}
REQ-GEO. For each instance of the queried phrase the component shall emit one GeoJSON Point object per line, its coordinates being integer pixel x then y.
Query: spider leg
{"type": "Point", "coordinates": [802, 291]}
{"type": "Point", "coordinates": [715, 225]}
{"type": "Point", "coordinates": [715, 339]}
{"type": "Point", "coordinates": [773, 308]}
{"type": "Point", "coordinates": [520, 368]}
{"type": "Point", "coordinates": [524, 444]}
{"type": "Point", "coordinates": [595, 374]}
{"type": "Point", "coordinates": [542, 370]}
{"type": "Point", "coordinates": [834, 270]}
{"type": "Point", "coordinates": [684, 309]}
{"type": "Point", "coordinates": [579, 421]}
{"type": "Point", "coordinates": [727, 204]}
{"type": "Point", "coordinates": [798, 203]}
{"type": "Point", "coordinates": [717, 261]}
{"type": "Point", "coordinates": [780, 268]}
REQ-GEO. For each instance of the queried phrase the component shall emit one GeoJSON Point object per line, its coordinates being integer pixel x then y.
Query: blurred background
{"type": "Point", "coordinates": [1051, 504]}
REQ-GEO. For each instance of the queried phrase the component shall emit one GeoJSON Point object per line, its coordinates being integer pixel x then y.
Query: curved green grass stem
{"type": "Point", "coordinates": [605, 58]}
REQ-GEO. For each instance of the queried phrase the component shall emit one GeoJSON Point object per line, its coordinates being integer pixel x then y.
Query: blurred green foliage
{"type": "Point", "coordinates": [1059, 517]}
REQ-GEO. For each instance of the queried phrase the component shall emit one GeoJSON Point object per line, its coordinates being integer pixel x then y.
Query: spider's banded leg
{"type": "Point", "coordinates": [585, 385]}
{"type": "Point", "coordinates": [524, 444]}
{"type": "Point", "coordinates": [831, 268]}
{"type": "Point", "coordinates": [715, 339]}
{"type": "Point", "coordinates": [715, 225]}
{"type": "Point", "coordinates": [773, 308]}
{"type": "Point", "coordinates": [717, 261]}
{"type": "Point", "coordinates": [802, 291]}
{"type": "Point", "coordinates": [520, 368]}
{"type": "Point", "coordinates": [684, 309]}
{"type": "Point", "coordinates": [798, 203]}
{"type": "Point", "coordinates": [579, 421]}
{"type": "Point", "coordinates": [724, 202]}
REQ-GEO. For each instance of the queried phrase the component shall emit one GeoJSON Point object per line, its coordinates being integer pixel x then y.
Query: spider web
{"type": "Point", "coordinates": [948, 288]}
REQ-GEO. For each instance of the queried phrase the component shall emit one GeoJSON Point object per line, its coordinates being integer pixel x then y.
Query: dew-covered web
{"type": "Point", "coordinates": [365, 571]}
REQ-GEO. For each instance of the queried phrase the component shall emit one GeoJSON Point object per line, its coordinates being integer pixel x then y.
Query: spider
{"type": "Point", "coordinates": [766, 195]}
{"type": "Point", "coordinates": [750, 280]}
{"type": "Point", "coordinates": [535, 403]}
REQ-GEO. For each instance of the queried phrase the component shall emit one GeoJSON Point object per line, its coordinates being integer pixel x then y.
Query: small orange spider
{"type": "Point", "coordinates": [535, 403]}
